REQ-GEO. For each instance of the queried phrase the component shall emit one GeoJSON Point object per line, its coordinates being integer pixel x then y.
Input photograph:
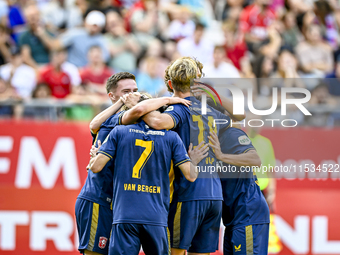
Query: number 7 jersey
{"type": "Point", "coordinates": [142, 163]}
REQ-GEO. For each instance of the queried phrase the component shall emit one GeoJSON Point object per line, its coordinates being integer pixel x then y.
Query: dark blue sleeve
{"type": "Point", "coordinates": [177, 113]}
{"type": "Point", "coordinates": [113, 121]}
{"type": "Point", "coordinates": [109, 145]}
{"type": "Point", "coordinates": [225, 125]}
{"type": "Point", "coordinates": [94, 137]}
{"type": "Point", "coordinates": [102, 134]}
{"type": "Point", "coordinates": [107, 126]}
{"type": "Point", "coordinates": [235, 141]}
{"type": "Point", "coordinates": [179, 153]}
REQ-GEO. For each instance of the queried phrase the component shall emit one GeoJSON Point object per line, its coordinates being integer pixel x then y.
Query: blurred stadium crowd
{"type": "Point", "coordinates": [56, 55]}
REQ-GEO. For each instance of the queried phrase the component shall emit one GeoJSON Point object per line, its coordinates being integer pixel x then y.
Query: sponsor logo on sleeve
{"type": "Point", "coordinates": [244, 140]}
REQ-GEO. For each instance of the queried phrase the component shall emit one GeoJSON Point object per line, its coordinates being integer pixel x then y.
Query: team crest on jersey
{"type": "Point", "coordinates": [102, 242]}
{"type": "Point", "coordinates": [170, 108]}
{"type": "Point", "coordinates": [244, 140]}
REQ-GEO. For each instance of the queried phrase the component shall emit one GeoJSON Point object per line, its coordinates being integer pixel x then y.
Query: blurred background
{"type": "Point", "coordinates": [55, 58]}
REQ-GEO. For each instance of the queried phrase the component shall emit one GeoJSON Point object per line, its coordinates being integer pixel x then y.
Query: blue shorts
{"type": "Point", "coordinates": [128, 238]}
{"type": "Point", "coordinates": [94, 226]}
{"type": "Point", "coordinates": [248, 240]}
{"type": "Point", "coordinates": [194, 225]}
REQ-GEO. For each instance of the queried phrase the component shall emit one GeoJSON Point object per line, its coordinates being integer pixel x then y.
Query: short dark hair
{"type": "Point", "coordinates": [199, 26]}
{"type": "Point", "coordinates": [219, 47]}
{"type": "Point", "coordinates": [95, 47]}
{"type": "Point", "coordinates": [112, 82]}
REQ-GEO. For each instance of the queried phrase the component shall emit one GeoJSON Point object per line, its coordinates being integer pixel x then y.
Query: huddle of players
{"type": "Point", "coordinates": [145, 172]}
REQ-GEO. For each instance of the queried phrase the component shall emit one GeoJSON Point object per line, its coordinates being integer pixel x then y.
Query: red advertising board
{"type": "Point", "coordinates": [42, 169]}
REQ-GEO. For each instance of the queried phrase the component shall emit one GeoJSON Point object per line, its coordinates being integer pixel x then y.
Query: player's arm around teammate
{"type": "Point", "coordinates": [129, 100]}
{"type": "Point", "coordinates": [187, 168]}
{"type": "Point", "coordinates": [252, 158]}
{"type": "Point", "coordinates": [144, 107]}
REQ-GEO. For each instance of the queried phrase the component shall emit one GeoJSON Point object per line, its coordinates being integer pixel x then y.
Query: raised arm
{"type": "Point", "coordinates": [146, 106]}
{"type": "Point", "coordinates": [104, 115]}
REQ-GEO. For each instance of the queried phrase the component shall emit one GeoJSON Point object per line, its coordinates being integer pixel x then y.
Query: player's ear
{"type": "Point", "coordinates": [170, 84]}
{"type": "Point", "coordinates": [112, 96]}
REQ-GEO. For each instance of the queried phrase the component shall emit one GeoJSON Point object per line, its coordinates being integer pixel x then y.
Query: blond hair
{"type": "Point", "coordinates": [181, 72]}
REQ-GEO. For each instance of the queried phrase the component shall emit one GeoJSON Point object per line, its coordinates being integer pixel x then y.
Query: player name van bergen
{"type": "Point", "coordinates": [142, 188]}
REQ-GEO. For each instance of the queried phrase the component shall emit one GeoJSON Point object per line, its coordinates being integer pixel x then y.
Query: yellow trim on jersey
{"type": "Point", "coordinates": [249, 240]}
{"type": "Point", "coordinates": [169, 245]}
{"type": "Point", "coordinates": [171, 179]}
{"type": "Point", "coordinates": [120, 117]}
{"type": "Point", "coordinates": [175, 124]}
{"type": "Point", "coordinates": [177, 226]}
{"type": "Point", "coordinates": [94, 225]}
{"type": "Point", "coordinates": [249, 149]}
{"type": "Point", "coordinates": [106, 154]}
{"type": "Point", "coordinates": [182, 162]}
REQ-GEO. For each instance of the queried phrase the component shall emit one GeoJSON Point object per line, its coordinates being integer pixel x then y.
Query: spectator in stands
{"type": "Point", "coordinates": [235, 48]}
{"type": "Point", "coordinates": [79, 40]}
{"type": "Point", "coordinates": [181, 26]}
{"type": "Point", "coordinates": [42, 106]}
{"type": "Point", "coordinates": [15, 19]}
{"type": "Point", "coordinates": [197, 46]}
{"type": "Point", "coordinates": [149, 81]}
{"type": "Point", "coordinates": [59, 75]}
{"type": "Point", "coordinates": [326, 17]}
{"type": "Point", "coordinates": [231, 10]}
{"type": "Point", "coordinates": [305, 20]}
{"type": "Point", "coordinates": [35, 51]}
{"type": "Point", "coordinates": [54, 14]}
{"type": "Point", "coordinates": [19, 75]}
{"type": "Point", "coordinates": [42, 91]}
{"type": "Point", "coordinates": [75, 13]}
{"type": "Point", "coordinates": [170, 50]}
{"type": "Point", "coordinates": [7, 94]}
{"type": "Point", "coordinates": [96, 73]}
{"type": "Point", "coordinates": [333, 79]}
{"type": "Point", "coordinates": [263, 68]}
{"type": "Point", "coordinates": [287, 70]}
{"type": "Point", "coordinates": [291, 35]}
{"type": "Point", "coordinates": [5, 43]}
{"type": "Point", "coordinates": [299, 6]}
{"type": "Point", "coordinates": [315, 56]}
{"type": "Point", "coordinates": [123, 46]}
{"type": "Point", "coordinates": [146, 21]}
{"type": "Point", "coordinates": [271, 46]}
{"type": "Point", "coordinates": [320, 96]}
{"type": "Point", "coordinates": [220, 68]}
{"type": "Point", "coordinates": [155, 49]}
{"type": "Point", "coordinates": [254, 21]}
{"type": "Point", "coordinates": [202, 9]}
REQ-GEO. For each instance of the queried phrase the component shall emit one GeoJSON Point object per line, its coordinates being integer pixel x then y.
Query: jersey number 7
{"type": "Point", "coordinates": [138, 167]}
